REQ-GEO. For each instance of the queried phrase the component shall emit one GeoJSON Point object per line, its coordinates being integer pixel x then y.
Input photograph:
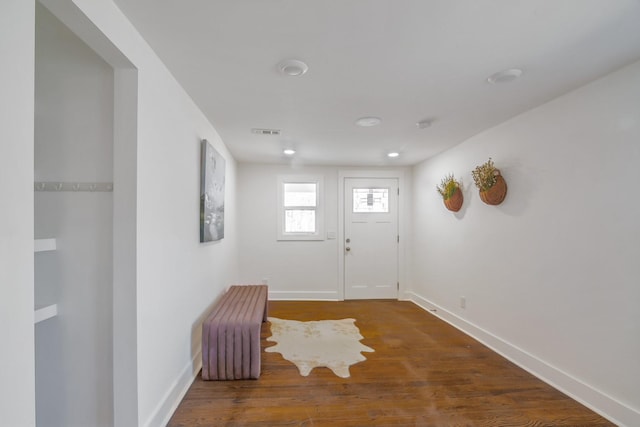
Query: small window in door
{"type": "Point", "coordinates": [370, 200]}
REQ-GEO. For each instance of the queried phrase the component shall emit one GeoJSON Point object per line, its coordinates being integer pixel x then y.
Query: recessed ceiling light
{"type": "Point", "coordinates": [423, 124]}
{"type": "Point", "coordinates": [393, 154]}
{"type": "Point", "coordinates": [505, 76]}
{"type": "Point", "coordinates": [368, 121]}
{"type": "Point", "coordinates": [293, 67]}
{"type": "Point", "coordinates": [289, 151]}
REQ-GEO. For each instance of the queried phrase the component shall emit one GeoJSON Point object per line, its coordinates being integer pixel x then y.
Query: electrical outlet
{"type": "Point", "coordinates": [463, 302]}
{"type": "Point", "coordinates": [265, 281]}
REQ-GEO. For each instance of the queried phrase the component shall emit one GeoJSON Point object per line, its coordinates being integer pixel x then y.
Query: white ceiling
{"type": "Point", "coordinates": [401, 60]}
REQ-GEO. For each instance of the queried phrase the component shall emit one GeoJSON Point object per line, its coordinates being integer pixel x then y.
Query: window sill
{"type": "Point", "coordinates": [300, 237]}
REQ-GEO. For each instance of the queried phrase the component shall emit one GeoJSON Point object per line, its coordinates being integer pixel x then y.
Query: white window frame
{"type": "Point", "coordinates": [318, 180]}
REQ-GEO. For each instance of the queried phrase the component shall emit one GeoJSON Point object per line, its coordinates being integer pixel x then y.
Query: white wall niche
{"type": "Point", "coordinates": [74, 92]}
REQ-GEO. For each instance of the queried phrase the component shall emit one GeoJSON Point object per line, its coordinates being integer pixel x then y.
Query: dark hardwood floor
{"type": "Point", "coordinates": [424, 372]}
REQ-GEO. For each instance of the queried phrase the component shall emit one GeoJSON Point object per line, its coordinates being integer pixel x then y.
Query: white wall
{"type": "Point", "coordinates": [551, 275]}
{"type": "Point", "coordinates": [17, 392]}
{"type": "Point", "coordinates": [73, 143]}
{"type": "Point", "coordinates": [295, 269]}
{"type": "Point", "coordinates": [177, 277]}
{"type": "Point", "coordinates": [125, 300]}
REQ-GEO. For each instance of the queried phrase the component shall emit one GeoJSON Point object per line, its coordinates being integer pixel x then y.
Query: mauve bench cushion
{"type": "Point", "coordinates": [231, 334]}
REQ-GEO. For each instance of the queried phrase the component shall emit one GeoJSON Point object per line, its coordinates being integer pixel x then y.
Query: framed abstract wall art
{"type": "Point", "coordinates": [211, 194]}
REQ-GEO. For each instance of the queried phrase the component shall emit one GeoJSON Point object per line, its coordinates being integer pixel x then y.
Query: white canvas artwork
{"type": "Point", "coordinates": [211, 194]}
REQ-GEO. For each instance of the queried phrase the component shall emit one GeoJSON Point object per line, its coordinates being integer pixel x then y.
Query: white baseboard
{"type": "Point", "coordinates": [304, 295]}
{"type": "Point", "coordinates": [172, 398]}
{"type": "Point", "coordinates": [605, 405]}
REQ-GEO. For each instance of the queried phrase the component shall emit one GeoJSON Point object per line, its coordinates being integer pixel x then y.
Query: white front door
{"type": "Point", "coordinates": [371, 238]}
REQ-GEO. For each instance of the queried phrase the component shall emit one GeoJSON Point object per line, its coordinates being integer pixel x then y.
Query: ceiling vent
{"type": "Point", "coordinates": [265, 131]}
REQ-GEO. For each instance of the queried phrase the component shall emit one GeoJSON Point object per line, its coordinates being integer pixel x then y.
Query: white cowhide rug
{"type": "Point", "coordinates": [334, 344]}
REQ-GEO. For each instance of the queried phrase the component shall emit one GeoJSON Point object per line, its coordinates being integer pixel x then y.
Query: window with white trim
{"type": "Point", "coordinates": [300, 208]}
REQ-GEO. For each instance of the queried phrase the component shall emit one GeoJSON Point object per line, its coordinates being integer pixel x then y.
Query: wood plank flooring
{"type": "Point", "coordinates": [424, 372]}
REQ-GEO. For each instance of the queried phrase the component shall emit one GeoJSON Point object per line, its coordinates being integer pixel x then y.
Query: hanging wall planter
{"type": "Point", "coordinates": [454, 203]}
{"type": "Point", "coordinates": [451, 193]}
{"type": "Point", "coordinates": [492, 186]}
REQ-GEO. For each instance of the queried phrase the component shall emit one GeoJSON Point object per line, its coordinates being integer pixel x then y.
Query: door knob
{"type": "Point", "coordinates": [347, 249]}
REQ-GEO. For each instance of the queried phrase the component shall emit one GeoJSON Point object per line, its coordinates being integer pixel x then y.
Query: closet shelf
{"type": "Point", "coordinates": [94, 187]}
{"type": "Point", "coordinates": [42, 245]}
{"type": "Point", "coordinates": [44, 312]}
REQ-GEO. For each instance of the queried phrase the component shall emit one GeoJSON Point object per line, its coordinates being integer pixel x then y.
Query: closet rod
{"type": "Point", "coordinates": [73, 186]}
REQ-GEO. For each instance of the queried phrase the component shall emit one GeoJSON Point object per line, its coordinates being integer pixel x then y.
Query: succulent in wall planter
{"type": "Point", "coordinates": [451, 193]}
{"type": "Point", "coordinates": [492, 186]}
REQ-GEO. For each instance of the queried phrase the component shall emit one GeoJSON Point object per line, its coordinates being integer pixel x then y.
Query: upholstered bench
{"type": "Point", "coordinates": [231, 334]}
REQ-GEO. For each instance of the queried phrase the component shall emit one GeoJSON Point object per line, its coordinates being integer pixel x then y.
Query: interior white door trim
{"type": "Point", "coordinates": [403, 218]}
